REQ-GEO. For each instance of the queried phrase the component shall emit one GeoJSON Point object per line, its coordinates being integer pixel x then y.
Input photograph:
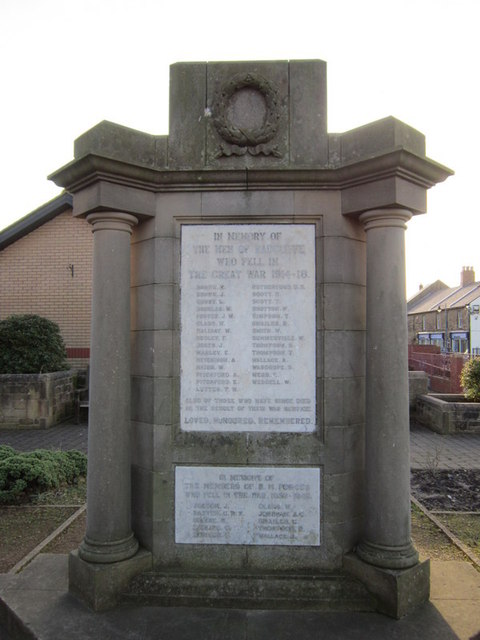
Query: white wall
{"type": "Point", "coordinates": [475, 329]}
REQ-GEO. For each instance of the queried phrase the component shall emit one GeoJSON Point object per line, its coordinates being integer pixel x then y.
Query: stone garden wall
{"type": "Point", "coordinates": [36, 401]}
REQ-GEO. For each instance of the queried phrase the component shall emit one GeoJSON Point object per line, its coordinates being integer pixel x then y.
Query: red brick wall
{"type": "Point", "coordinates": [443, 369]}
{"type": "Point", "coordinates": [424, 348]}
{"type": "Point", "coordinates": [49, 272]}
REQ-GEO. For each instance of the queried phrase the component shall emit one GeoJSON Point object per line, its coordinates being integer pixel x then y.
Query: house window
{"type": "Point", "coordinates": [460, 320]}
{"type": "Point", "coordinates": [437, 339]}
{"type": "Point", "coordinates": [459, 342]}
{"type": "Point", "coordinates": [424, 323]}
{"type": "Point", "coordinates": [440, 320]}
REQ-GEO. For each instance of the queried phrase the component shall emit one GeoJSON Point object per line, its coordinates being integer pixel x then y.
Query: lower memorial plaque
{"type": "Point", "coordinates": [247, 505]}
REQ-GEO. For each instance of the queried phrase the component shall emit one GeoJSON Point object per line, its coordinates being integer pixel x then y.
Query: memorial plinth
{"type": "Point", "coordinates": [267, 371]}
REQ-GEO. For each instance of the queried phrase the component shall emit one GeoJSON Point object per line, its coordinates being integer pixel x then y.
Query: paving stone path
{"type": "Point", "coordinates": [64, 437]}
{"type": "Point", "coordinates": [429, 450]}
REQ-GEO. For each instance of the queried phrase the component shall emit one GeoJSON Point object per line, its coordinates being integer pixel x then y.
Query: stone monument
{"type": "Point", "coordinates": [249, 428]}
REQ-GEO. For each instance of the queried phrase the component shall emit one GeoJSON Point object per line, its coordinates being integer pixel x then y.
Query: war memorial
{"type": "Point", "coordinates": [249, 426]}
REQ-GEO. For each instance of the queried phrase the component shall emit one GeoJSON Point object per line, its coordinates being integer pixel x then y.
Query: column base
{"type": "Point", "coordinates": [99, 585]}
{"type": "Point", "coordinates": [107, 552]}
{"type": "Point", "coordinates": [387, 557]}
{"type": "Point", "coordinates": [397, 592]}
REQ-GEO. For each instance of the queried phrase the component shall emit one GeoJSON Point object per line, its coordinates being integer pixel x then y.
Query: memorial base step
{"type": "Point", "coordinates": [326, 591]}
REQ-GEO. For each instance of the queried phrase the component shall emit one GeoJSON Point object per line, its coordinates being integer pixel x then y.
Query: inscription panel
{"type": "Point", "coordinates": [247, 505]}
{"type": "Point", "coordinates": [248, 328]}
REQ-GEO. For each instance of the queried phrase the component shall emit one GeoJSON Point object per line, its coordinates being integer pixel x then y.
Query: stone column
{"type": "Point", "coordinates": [386, 542]}
{"type": "Point", "coordinates": [109, 537]}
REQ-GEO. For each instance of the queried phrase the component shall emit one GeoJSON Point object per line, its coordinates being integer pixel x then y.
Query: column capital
{"type": "Point", "coordinates": [112, 221]}
{"type": "Point", "coordinates": [376, 218]}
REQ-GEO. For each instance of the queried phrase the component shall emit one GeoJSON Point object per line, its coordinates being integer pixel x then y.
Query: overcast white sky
{"type": "Point", "coordinates": [68, 64]}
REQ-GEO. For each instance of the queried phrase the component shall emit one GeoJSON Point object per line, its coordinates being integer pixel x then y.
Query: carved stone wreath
{"type": "Point", "coordinates": [254, 141]}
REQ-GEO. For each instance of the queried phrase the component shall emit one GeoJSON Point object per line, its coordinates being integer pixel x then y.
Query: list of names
{"type": "Point", "coordinates": [247, 505]}
{"type": "Point", "coordinates": [248, 328]}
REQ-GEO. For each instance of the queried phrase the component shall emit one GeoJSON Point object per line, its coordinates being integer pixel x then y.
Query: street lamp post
{"type": "Point", "coordinates": [446, 345]}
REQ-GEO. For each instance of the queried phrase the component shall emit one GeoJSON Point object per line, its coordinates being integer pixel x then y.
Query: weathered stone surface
{"type": "Point", "coordinates": [308, 112]}
{"type": "Point", "coordinates": [36, 401]}
{"type": "Point", "coordinates": [392, 191]}
{"type": "Point", "coordinates": [417, 386]}
{"type": "Point", "coordinates": [239, 204]}
{"type": "Point", "coordinates": [248, 145]}
{"type": "Point", "coordinates": [248, 114]}
{"type": "Point", "coordinates": [38, 597]}
{"type": "Point", "coordinates": [344, 307]}
{"type": "Point", "coordinates": [254, 114]}
{"type": "Point", "coordinates": [153, 307]}
{"type": "Point", "coordinates": [100, 584]}
{"type": "Point", "coordinates": [380, 136]}
{"type": "Point", "coordinates": [186, 148]}
{"type": "Point", "coordinates": [398, 593]}
{"type": "Point", "coordinates": [251, 591]}
{"type": "Point", "coordinates": [104, 195]}
{"type": "Point", "coordinates": [386, 540]}
{"type": "Point", "coordinates": [343, 403]}
{"type": "Point", "coordinates": [109, 538]}
{"type": "Point", "coordinates": [115, 141]}
{"type": "Point", "coordinates": [447, 413]}
{"type": "Point", "coordinates": [344, 260]}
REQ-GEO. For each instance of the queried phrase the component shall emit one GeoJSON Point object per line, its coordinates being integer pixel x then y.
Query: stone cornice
{"type": "Point", "coordinates": [398, 163]}
{"type": "Point", "coordinates": [423, 171]}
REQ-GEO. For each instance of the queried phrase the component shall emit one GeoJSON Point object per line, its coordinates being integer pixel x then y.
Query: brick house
{"type": "Point", "coordinates": [46, 269]}
{"type": "Point", "coordinates": [447, 317]}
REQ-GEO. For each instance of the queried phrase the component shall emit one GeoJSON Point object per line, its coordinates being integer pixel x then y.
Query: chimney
{"type": "Point", "coordinates": [467, 276]}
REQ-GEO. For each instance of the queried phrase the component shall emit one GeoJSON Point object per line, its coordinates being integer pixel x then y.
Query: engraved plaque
{"type": "Point", "coordinates": [247, 505]}
{"type": "Point", "coordinates": [248, 328]}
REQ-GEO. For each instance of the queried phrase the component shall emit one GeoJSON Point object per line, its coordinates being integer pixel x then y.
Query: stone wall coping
{"type": "Point", "coordinates": [26, 377]}
{"type": "Point", "coordinates": [449, 399]}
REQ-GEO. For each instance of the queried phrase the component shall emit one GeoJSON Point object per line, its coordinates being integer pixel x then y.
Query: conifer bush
{"type": "Point", "coordinates": [470, 379]}
{"type": "Point", "coordinates": [31, 344]}
{"type": "Point", "coordinates": [26, 473]}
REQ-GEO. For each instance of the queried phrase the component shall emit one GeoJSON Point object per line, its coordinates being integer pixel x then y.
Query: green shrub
{"type": "Point", "coordinates": [470, 379]}
{"type": "Point", "coordinates": [31, 344]}
{"type": "Point", "coordinates": [25, 473]}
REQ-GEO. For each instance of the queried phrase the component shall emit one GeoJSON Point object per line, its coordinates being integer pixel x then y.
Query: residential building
{"type": "Point", "coordinates": [46, 269]}
{"type": "Point", "coordinates": [447, 316]}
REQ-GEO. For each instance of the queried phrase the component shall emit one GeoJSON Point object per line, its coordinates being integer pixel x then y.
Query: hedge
{"type": "Point", "coordinates": [25, 473]}
{"type": "Point", "coordinates": [470, 379]}
{"type": "Point", "coordinates": [31, 344]}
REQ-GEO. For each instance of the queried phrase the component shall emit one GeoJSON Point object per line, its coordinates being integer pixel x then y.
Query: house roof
{"type": "Point", "coordinates": [424, 293]}
{"type": "Point", "coordinates": [447, 297]}
{"type": "Point", "coordinates": [35, 219]}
